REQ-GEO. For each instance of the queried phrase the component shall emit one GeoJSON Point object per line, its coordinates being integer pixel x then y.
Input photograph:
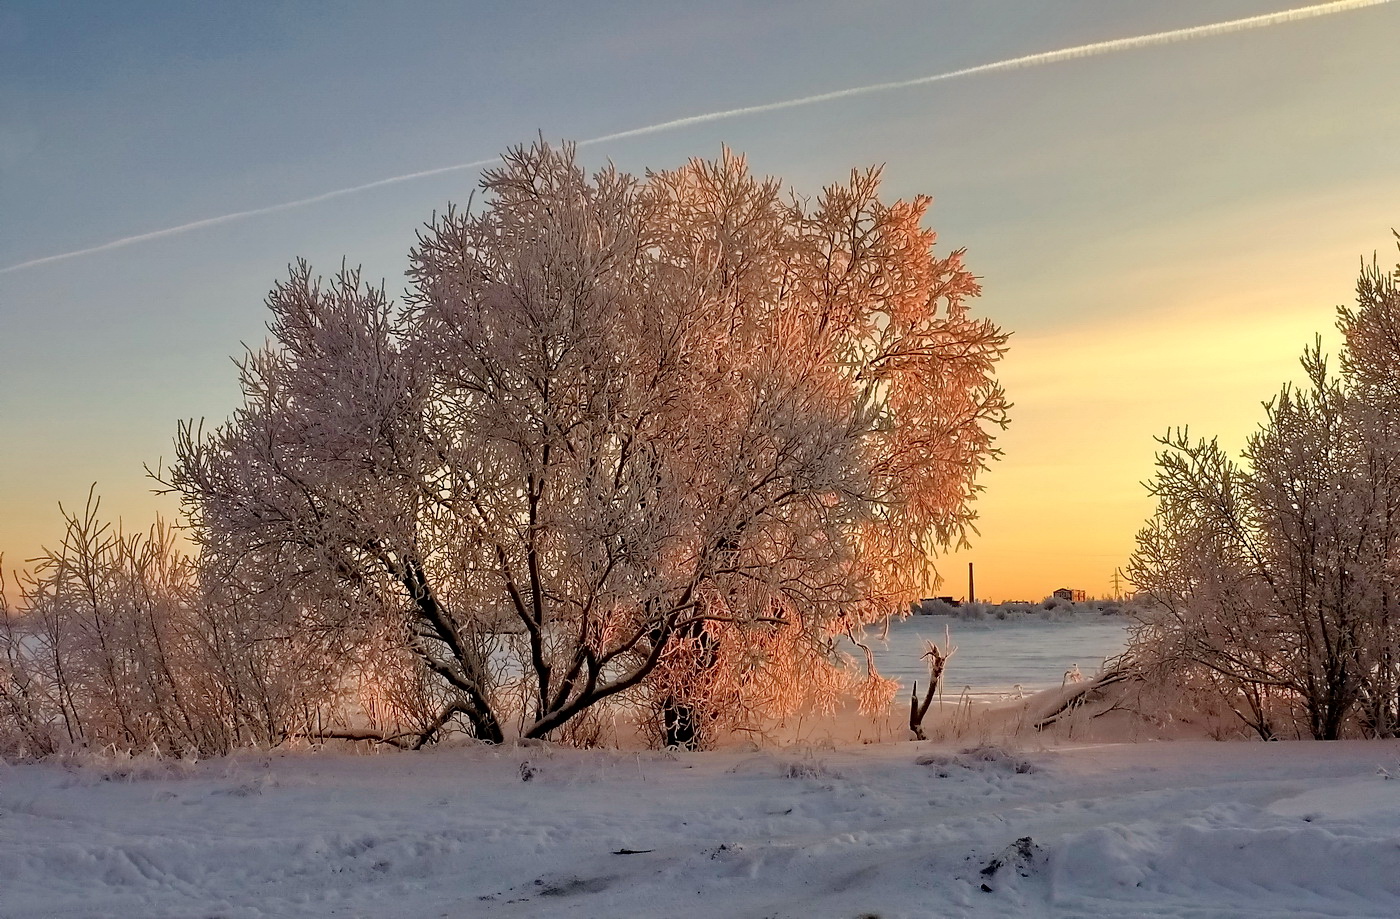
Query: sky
{"type": "Point", "coordinates": [1161, 226]}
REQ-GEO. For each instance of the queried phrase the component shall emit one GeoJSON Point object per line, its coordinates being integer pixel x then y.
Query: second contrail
{"type": "Point", "coordinates": [1016, 63]}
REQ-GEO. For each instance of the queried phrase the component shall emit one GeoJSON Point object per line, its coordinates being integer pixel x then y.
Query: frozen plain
{"type": "Point", "coordinates": [897, 829]}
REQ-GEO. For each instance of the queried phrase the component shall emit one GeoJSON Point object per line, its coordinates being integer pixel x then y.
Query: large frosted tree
{"type": "Point", "coordinates": [655, 439]}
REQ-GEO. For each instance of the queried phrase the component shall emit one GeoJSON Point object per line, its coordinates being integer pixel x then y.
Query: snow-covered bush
{"type": "Point", "coordinates": [116, 644]}
{"type": "Point", "coordinates": [113, 646]}
{"type": "Point", "coordinates": [1277, 577]}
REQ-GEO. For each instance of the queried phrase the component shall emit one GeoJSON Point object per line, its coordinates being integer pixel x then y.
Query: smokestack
{"type": "Point", "coordinates": [971, 593]}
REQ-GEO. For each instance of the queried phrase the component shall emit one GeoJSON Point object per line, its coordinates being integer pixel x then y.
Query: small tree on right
{"type": "Point", "coordinates": [1276, 576]}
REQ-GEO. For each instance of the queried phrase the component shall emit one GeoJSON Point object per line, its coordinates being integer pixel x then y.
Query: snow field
{"type": "Point", "coordinates": [892, 830]}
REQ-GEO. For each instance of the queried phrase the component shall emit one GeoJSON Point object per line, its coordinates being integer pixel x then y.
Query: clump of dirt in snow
{"type": "Point", "coordinates": [1023, 857]}
{"type": "Point", "coordinates": [981, 758]}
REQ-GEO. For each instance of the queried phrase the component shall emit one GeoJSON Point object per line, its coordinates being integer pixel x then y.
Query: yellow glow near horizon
{"type": "Point", "coordinates": [1190, 330]}
{"type": "Point", "coordinates": [1062, 506]}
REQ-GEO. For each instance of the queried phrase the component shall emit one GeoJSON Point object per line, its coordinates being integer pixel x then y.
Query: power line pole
{"type": "Point", "coordinates": [1117, 583]}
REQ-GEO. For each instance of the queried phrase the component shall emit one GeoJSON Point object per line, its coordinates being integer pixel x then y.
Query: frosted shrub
{"type": "Point", "coordinates": [115, 646]}
{"type": "Point", "coordinates": [1274, 576]}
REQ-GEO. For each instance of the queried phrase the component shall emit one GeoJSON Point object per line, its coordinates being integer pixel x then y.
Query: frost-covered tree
{"type": "Point", "coordinates": [1277, 575]}
{"type": "Point", "coordinates": [647, 438]}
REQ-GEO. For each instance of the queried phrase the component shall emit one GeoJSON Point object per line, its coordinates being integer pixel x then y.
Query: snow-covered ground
{"type": "Point", "coordinates": [1188, 828]}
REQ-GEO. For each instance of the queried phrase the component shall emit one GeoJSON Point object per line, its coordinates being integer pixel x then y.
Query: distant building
{"type": "Point", "coordinates": [1066, 593]}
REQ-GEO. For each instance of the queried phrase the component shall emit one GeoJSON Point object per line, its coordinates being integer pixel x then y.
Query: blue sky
{"type": "Point", "coordinates": [1162, 229]}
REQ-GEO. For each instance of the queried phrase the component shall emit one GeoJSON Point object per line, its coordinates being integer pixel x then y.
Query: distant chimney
{"type": "Point", "coordinates": [971, 593]}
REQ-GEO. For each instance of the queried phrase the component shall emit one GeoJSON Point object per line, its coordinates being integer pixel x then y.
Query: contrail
{"type": "Point", "coordinates": [240, 215]}
{"type": "Point", "coordinates": [1015, 63]}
